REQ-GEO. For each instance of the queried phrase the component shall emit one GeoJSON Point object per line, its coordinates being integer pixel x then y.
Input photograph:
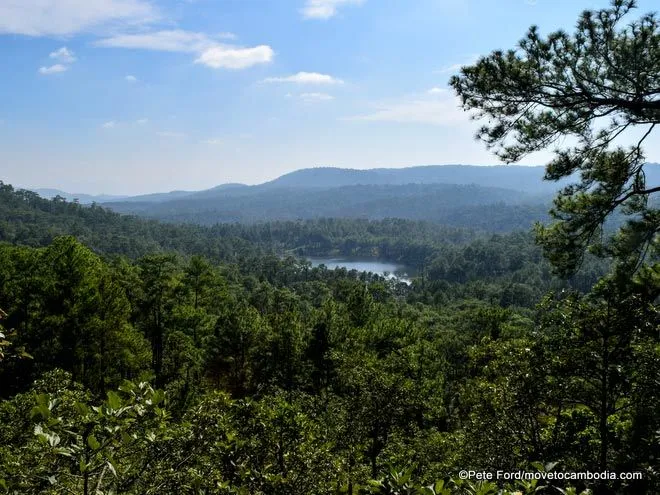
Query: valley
{"type": "Point", "coordinates": [239, 253]}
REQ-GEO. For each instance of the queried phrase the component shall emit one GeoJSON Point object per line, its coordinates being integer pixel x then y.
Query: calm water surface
{"type": "Point", "coordinates": [383, 268]}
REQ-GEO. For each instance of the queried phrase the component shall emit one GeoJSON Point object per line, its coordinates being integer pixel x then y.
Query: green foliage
{"type": "Point", "coordinates": [488, 208]}
{"type": "Point", "coordinates": [83, 448]}
{"type": "Point", "coordinates": [594, 86]}
{"type": "Point", "coordinates": [574, 394]}
{"type": "Point", "coordinates": [7, 350]}
{"type": "Point", "coordinates": [70, 313]}
{"type": "Point", "coordinates": [283, 378]}
{"type": "Point", "coordinates": [193, 360]}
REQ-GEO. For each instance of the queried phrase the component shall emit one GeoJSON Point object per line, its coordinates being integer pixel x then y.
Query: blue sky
{"type": "Point", "coordinates": [134, 96]}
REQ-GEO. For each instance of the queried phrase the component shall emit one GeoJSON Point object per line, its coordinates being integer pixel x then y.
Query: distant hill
{"type": "Point", "coordinates": [527, 179]}
{"type": "Point", "coordinates": [521, 178]}
{"type": "Point", "coordinates": [142, 198]}
{"type": "Point", "coordinates": [497, 198]}
{"type": "Point", "coordinates": [81, 198]}
{"type": "Point", "coordinates": [222, 189]}
{"type": "Point", "coordinates": [159, 197]}
{"type": "Point", "coordinates": [450, 204]}
{"type": "Point", "coordinates": [492, 198]}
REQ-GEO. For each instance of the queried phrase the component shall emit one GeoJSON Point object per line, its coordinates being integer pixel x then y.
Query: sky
{"type": "Point", "coordinates": [137, 96]}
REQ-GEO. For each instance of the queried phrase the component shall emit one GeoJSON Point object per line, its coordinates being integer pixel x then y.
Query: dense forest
{"type": "Point", "coordinates": [487, 208]}
{"type": "Point", "coordinates": [142, 367]}
{"type": "Point", "coordinates": [140, 357]}
{"type": "Point", "coordinates": [303, 380]}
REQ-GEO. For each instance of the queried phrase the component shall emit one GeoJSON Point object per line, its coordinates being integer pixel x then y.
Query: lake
{"type": "Point", "coordinates": [383, 268]}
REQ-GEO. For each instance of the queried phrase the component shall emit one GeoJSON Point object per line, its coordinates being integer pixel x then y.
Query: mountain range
{"type": "Point", "coordinates": [497, 198]}
{"type": "Point", "coordinates": [520, 178]}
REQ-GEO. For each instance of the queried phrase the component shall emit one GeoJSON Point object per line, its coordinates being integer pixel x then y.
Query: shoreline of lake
{"type": "Point", "coordinates": [383, 268]}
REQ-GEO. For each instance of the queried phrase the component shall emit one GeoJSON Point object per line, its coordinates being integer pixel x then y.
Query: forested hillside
{"type": "Point", "coordinates": [518, 178]}
{"type": "Point", "coordinates": [210, 357]}
{"type": "Point", "coordinates": [487, 208]}
{"type": "Point", "coordinates": [490, 199]}
{"type": "Point", "coordinates": [442, 255]}
{"type": "Point", "coordinates": [276, 376]}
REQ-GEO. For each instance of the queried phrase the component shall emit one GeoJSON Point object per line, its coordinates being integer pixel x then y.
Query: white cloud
{"type": "Point", "coordinates": [312, 97]}
{"type": "Point", "coordinates": [131, 79]}
{"type": "Point", "coordinates": [63, 55]}
{"type": "Point", "coordinates": [142, 121]}
{"type": "Point", "coordinates": [325, 9]}
{"type": "Point", "coordinates": [225, 57]}
{"type": "Point", "coordinates": [109, 125]}
{"type": "Point", "coordinates": [438, 108]}
{"type": "Point", "coordinates": [166, 41]}
{"type": "Point", "coordinates": [305, 78]}
{"type": "Point", "coordinates": [210, 52]}
{"type": "Point", "coordinates": [68, 17]}
{"type": "Point", "coordinates": [53, 69]}
{"type": "Point", "coordinates": [438, 91]}
{"type": "Point", "coordinates": [213, 141]}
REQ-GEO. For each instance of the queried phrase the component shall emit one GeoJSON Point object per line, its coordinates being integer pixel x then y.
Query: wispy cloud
{"type": "Point", "coordinates": [325, 9]}
{"type": "Point", "coordinates": [454, 68]}
{"type": "Point", "coordinates": [305, 78]}
{"type": "Point", "coordinates": [109, 125]}
{"type": "Point", "coordinates": [63, 55]}
{"type": "Point", "coordinates": [130, 78]}
{"type": "Point", "coordinates": [53, 69]}
{"type": "Point", "coordinates": [168, 41]}
{"type": "Point", "coordinates": [227, 36]}
{"type": "Point", "coordinates": [435, 107]}
{"type": "Point", "coordinates": [313, 97]}
{"type": "Point", "coordinates": [212, 141]}
{"type": "Point", "coordinates": [210, 51]}
{"type": "Point", "coordinates": [68, 17]}
{"type": "Point", "coordinates": [142, 121]}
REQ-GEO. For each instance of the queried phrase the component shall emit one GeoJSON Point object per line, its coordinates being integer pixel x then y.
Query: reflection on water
{"type": "Point", "coordinates": [383, 268]}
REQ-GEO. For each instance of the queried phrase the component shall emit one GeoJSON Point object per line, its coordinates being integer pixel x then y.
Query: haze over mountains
{"type": "Point", "coordinates": [529, 179]}
{"type": "Point", "coordinates": [495, 198]}
{"type": "Point", "coordinates": [521, 178]}
{"type": "Point", "coordinates": [499, 198]}
{"type": "Point", "coordinates": [83, 198]}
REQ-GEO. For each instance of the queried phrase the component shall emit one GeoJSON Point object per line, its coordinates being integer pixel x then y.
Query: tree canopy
{"type": "Point", "coordinates": [595, 89]}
